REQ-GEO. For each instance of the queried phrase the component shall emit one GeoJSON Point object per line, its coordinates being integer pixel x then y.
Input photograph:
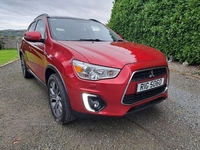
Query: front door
{"type": "Point", "coordinates": [37, 50]}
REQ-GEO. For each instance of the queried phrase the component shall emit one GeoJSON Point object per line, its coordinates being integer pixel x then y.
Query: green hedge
{"type": "Point", "coordinates": [173, 26]}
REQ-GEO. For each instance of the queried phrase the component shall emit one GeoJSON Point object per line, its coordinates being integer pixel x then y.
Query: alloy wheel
{"type": "Point", "coordinates": [55, 99]}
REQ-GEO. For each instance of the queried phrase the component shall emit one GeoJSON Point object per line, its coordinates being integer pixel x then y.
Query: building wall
{"type": "Point", "coordinates": [10, 42]}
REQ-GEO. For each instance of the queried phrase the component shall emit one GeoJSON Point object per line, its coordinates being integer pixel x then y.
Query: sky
{"type": "Point", "coordinates": [18, 14]}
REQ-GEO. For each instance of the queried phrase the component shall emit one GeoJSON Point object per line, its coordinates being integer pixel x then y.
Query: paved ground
{"type": "Point", "coordinates": [26, 121]}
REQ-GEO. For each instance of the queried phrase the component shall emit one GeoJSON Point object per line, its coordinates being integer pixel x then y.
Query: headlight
{"type": "Point", "coordinates": [94, 72]}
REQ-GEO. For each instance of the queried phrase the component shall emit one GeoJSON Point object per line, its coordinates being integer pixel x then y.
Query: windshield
{"type": "Point", "coordinates": [67, 29]}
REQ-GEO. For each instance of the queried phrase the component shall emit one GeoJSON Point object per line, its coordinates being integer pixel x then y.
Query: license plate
{"type": "Point", "coordinates": [150, 85]}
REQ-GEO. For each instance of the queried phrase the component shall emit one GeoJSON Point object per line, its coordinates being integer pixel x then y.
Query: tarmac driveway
{"type": "Point", "coordinates": [26, 121]}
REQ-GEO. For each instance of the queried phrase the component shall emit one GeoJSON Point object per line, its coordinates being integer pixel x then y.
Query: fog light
{"type": "Point", "coordinates": [93, 102]}
{"type": "Point", "coordinates": [96, 104]}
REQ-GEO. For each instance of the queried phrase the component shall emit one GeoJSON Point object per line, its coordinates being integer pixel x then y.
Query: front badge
{"type": "Point", "coordinates": [151, 75]}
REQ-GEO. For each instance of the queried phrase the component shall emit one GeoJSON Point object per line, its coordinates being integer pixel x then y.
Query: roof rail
{"type": "Point", "coordinates": [95, 20]}
{"type": "Point", "coordinates": [46, 15]}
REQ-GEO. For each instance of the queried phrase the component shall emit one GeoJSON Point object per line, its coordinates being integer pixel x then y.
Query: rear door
{"type": "Point", "coordinates": [26, 45]}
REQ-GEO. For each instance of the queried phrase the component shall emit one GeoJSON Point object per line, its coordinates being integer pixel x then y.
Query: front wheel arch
{"type": "Point", "coordinates": [51, 70]}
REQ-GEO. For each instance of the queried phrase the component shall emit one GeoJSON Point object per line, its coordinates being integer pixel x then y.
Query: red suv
{"type": "Point", "coordinates": [89, 70]}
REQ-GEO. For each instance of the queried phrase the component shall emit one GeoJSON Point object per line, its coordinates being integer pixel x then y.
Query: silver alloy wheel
{"type": "Point", "coordinates": [55, 99]}
{"type": "Point", "coordinates": [25, 72]}
{"type": "Point", "coordinates": [23, 65]}
{"type": "Point", "coordinates": [59, 100]}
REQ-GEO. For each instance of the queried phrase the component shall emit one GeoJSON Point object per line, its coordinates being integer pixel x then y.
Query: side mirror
{"type": "Point", "coordinates": [33, 36]}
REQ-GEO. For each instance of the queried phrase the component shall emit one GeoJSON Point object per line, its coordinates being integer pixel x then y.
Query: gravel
{"type": "Point", "coordinates": [26, 121]}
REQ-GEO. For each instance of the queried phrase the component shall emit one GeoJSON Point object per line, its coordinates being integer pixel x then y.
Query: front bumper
{"type": "Point", "coordinates": [113, 91]}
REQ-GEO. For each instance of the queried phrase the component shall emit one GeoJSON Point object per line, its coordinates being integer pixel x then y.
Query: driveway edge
{"type": "Point", "coordinates": [8, 63]}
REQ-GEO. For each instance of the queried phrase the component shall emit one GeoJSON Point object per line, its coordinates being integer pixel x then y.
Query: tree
{"type": "Point", "coordinates": [173, 26]}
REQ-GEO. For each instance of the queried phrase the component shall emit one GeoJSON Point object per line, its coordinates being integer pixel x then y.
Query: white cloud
{"type": "Point", "coordinates": [18, 14]}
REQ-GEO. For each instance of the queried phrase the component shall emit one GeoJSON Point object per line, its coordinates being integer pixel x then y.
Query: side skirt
{"type": "Point", "coordinates": [38, 79]}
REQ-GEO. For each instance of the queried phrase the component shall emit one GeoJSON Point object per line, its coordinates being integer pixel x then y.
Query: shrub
{"type": "Point", "coordinates": [173, 26]}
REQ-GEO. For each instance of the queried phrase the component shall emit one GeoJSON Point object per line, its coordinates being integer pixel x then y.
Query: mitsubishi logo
{"type": "Point", "coordinates": [151, 74]}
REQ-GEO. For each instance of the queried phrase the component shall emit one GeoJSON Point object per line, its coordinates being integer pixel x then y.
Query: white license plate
{"type": "Point", "coordinates": [150, 85]}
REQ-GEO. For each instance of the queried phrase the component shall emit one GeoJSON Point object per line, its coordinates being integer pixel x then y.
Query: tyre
{"type": "Point", "coordinates": [59, 101]}
{"type": "Point", "coordinates": [25, 72]}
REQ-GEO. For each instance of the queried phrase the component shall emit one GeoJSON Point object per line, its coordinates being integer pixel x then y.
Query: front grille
{"type": "Point", "coordinates": [133, 98]}
{"type": "Point", "coordinates": [145, 74]}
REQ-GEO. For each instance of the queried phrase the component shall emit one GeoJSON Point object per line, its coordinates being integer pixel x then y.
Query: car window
{"type": "Point", "coordinates": [101, 32]}
{"type": "Point", "coordinates": [78, 29]}
{"type": "Point", "coordinates": [32, 27]}
{"type": "Point", "coordinates": [41, 28]}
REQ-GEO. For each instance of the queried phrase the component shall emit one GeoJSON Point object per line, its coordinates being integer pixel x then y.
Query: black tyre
{"type": "Point", "coordinates": [59, 101]}
{"type": "Point", "coordinates": [25, 72]}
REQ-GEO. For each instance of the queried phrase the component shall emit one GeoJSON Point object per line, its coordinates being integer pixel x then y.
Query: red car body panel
{"type": "Point", "coordinates": [115, 54]}
{"type": "Point", "coordinates": [126, 56]}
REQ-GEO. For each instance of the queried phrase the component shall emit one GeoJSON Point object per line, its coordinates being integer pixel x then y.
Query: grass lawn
{"type": "Point", "coordinates": [7, 55]}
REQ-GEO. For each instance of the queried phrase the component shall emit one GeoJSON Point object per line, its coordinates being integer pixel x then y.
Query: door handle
{"type": "Point", "coordinates": [45, 53]}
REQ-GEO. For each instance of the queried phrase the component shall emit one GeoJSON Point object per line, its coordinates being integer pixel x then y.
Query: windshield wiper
{"type": "Point", "coordinates": [120, 40]}
{"type": "Point", "coordinates": [96, 40]}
